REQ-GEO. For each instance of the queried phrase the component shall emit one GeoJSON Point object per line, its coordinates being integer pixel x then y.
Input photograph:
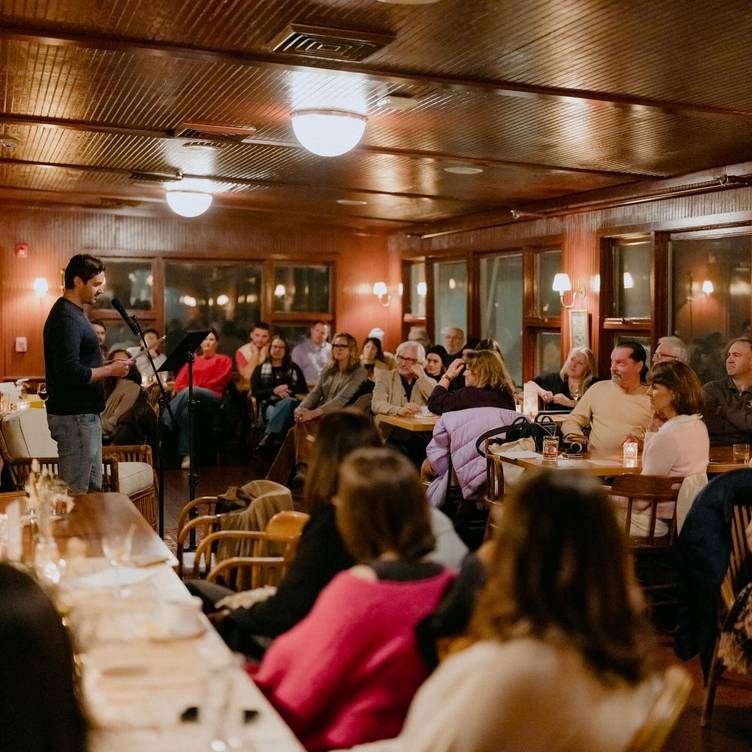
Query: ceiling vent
{"type": "Point", "coordinates": [325, 43]}
{"type": "Point", "coordinates": [210, 132]}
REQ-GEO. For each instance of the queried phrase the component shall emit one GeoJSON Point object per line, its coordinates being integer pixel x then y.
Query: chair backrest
{"type": "Point", "coordinates": [19, 470]}
{"type": "Point", "coordinates": [659, 493]}
{"type": "Point", "coordinates": [664, 712]}
{"type": "Point", "coordinates": [740, 560]}
{"type": "Point", "coordinates": [25, 434]}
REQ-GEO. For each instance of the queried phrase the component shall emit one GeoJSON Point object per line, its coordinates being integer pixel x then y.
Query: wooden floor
{"type": "Point", "coordinates": [732, 722]}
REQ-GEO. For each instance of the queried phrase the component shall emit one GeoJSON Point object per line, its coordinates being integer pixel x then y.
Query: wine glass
{"type": "Point", "coordinates": [42, 391]}
{"type": "Point", "coordinates": [117, 550]}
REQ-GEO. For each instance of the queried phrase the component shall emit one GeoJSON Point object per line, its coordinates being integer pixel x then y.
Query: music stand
{"type": "Point", "coordinates": [184, 352]}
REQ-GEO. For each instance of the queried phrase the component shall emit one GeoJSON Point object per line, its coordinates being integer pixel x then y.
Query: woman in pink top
{"type": "Point", "coordinates": [346, 674]}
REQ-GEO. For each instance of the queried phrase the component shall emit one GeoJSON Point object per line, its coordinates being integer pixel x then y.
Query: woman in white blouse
{"type": "Point", "coordinates": [677, 442]}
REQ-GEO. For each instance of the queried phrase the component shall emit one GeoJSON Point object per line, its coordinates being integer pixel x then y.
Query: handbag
{"type": "Point", "coordinates": [520, 428]}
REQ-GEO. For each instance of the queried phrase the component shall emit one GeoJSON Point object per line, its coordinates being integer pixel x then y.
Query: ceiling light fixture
{"type": "Point", "coordinates": [463, 170]}
{"type": "Point", "coordinates": [328, 133]}
{"type": "Point", "coordinates": [189, 203]}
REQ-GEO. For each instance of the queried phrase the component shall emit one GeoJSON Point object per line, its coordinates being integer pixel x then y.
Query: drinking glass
{"type": "Point", "coordinates": [741, 452]}
{"type": "Point", "coordinates": [630, 453]}
{"type": "Point", "coordinates": [117, 550]}
{"type": "Point", "coordinates": [42, 391]}
{"type": "Point", "coordinates": [550, 448]}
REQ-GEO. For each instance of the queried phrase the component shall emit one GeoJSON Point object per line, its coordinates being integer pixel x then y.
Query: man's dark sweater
{"type": "Point", "coordinates": [71, 350]}
{"type": "Point", "coordinates": [727, 412]}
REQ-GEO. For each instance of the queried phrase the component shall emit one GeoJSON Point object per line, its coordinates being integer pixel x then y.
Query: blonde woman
{"type": "Point", "coordinates": [562, 390]}
{"type": "Point", "coordinates": [338, 385]}
{"type": "Point", "coordinates": [487, 384]}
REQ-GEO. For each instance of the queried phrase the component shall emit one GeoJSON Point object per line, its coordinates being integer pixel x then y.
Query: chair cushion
{"type": "Point", "coordinates": [26, 434]}
{"type": "Point", "coordinates": [134, 477]}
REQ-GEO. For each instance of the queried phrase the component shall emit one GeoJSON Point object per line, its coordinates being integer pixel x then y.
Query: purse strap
{"type": "Point", "coordinates": [516, 424]}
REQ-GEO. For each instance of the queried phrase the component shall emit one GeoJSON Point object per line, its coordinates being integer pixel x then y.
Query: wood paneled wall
{"type": "Point", "coordinates": [55, 235]}
{"type": "Point", "coordinates": [581, 235]}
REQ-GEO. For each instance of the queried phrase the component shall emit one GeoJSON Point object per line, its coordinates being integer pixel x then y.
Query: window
{"type": "Point", "coordinates": [418, 289]}
{"type": "Point", "coordinates": [301, 288]}
{"type": "Point", "coordinates": [547, 301]}
{"type": "Point", "coordinates": [711, 293]}
{"type": "Point", "coordinates": [501, 306]}
{"type": "Point", "coordinates": [631, 269]}
{"type": "Point", "coordinates": [202, 295]}
{"type": "Point", "coordinates": [131, 282]}
{"type": "Point", "coordinates": [449, 296]}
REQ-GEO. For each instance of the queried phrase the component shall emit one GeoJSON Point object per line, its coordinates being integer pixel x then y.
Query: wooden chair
{"type": "Point", "coordinates": [143, 496]}
{"type": "Point", "coordinates": [738, 575]}
{"type": "Point", "coordinates": [19, 470]}
{"type": "Point", "coordinates": [495, 488]}
{"type": "Point", "coordinates": [664, 713]}
{"type": "Point", "coordinates": [658, 495]}
{"type": "Point", "coordinates": [257, 570]}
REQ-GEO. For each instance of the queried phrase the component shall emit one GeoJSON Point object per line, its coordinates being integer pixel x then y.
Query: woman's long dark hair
{"type": "Point", "coordinates": [39, 703]}
{"type": "Point", "coordinates": [287, 359]}
{"type": "Point", "coordinates": [340, 433]}
{"type": "Point", "coordinates": [562, 568]}
{"type": "Point", "coordinates": [376, 342]}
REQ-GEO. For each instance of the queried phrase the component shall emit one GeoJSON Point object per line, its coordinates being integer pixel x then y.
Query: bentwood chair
{"type": "Point", "coordinates": [738, 575]}
{"type": "Point", "coordinates": [664, 713]}
{"type": "Point", "coordinates": [247, 572]}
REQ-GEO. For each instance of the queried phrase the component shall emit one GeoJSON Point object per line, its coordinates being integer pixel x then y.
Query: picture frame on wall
{"type": "Point", "coordinates": [579, 328]}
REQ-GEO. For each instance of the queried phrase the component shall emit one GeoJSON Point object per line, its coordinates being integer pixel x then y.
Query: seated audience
{"type": "Point", "coordinates": [617, 409]}
{"type": "Point", "coordinates": [372, 357]}
{"type": "Point", "coordinates": [337, 387]}
{"type": "Point", "coordinates": [669, 349]}
{"type": "Point", "coordinates": [487, 384]}
{"type": "Point", "coordinates": [274, 385]}
{"type": "Point", "coordinates": [676, 443]}
{"type": "Point", "coordinates": [378, 333]}
{"type": "Point", "coordinates": [728, 402]}
{"type": "Point", "coordinates": [211, 375]}
{"type": "Point", "coordinates": [562, 657]}
{"type": "Point", "coordinates": [39, 699]}
{"type": "Point", "coordinates": [564, 388]}
{"type": "Point", "coordinates": [436, 357]}
{"type": "Point", "coordinates": [321, 553]}
{"type": "Point", "coordinates": [128, 418]}
{"type": "Point", "coordinates": [346, 674]}
{"type": "Point", "coordinates": [454, 341]}
{"type": "Point", "coordinates": [452, 454]}
{"type": "Point", "coordinates": [145, 369]}
{"type": "Point", "coordinates": [313, 353]}
{"type": "Point", "coordinates": [419, 334]}
{"type": "Point", "coordinates": [404, 391]}
{"type": "Point", "coordinates": [100, 330]}
{"type": "Point", "coordinates": [254, 352]}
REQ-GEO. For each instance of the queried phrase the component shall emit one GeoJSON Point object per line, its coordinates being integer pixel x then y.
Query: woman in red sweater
{"type": "Point", "coordinates": [346, 674]}
{"type": "Point", "coordinates": [211, 375]}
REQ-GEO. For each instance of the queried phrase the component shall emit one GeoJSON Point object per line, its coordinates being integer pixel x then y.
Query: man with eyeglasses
{"type": "Point", "coordinates": [670, 349]}
{"type": "Point", "coordinates": [403, 391]}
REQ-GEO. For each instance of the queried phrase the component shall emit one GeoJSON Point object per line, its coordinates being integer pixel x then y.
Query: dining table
{"type": "Point", "coordinates": [155, 675]}
{"type": "Point", "coordinates": [419, 422]}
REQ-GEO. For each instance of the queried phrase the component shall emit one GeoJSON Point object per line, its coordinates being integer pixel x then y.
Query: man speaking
{"type": "Point", "coordinates": [74, 374]}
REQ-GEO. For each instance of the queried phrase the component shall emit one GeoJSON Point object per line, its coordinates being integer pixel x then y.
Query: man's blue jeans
{"type": "Point", "coordinates": [79, 449]}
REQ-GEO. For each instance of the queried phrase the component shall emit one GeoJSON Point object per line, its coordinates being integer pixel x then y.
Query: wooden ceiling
{"type": "Point", "coordinates": [552, 99]}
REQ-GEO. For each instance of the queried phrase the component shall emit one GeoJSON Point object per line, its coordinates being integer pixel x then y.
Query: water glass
{"type": "Point", "coordinates": [630, 452]}
{"type": "Point", "coordinates": [741, 452]}
{"type": "Point", "coordinates": [550, 448]}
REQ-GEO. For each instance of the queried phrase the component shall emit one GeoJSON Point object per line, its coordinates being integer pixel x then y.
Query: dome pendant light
{"type": "Point", "coordinates": [189, 203]}
{"type": "Point", "coordinates": [328, 133]}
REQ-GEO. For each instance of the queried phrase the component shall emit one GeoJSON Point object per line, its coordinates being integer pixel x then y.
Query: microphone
{"type": "Point", "coordinates": [118, 306]}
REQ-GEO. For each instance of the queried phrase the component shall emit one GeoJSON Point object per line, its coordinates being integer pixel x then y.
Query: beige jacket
{"type": "Point", "coordinates": [389, 395]}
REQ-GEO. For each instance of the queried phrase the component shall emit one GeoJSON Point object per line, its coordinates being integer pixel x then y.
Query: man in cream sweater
{"type": "Point", "coordinates": [617, 409]}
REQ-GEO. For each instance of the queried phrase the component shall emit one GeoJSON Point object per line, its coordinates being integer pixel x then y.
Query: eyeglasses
{"type": "Point", "coordinates": [407, 360]}
{"type": "Point", "coordinates": [339, 345]}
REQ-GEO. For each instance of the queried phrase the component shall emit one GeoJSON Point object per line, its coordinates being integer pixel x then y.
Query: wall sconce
{"type": "Point", "coordinates": [381, 292]}
{"type": "Point", "coordinates": [707, 287]}
{"type": "Point", "coordinates": [563, 284]}
{"type": "Point", "coordinates": [422, 289]}
{"type": "Point", "coordinates": [279, 291]}
{"type": "Point", "coordinates": [41, 287]}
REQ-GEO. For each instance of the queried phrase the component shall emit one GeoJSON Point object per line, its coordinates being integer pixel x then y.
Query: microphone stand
{"type": "Point", "coordinates": [164, 403]}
